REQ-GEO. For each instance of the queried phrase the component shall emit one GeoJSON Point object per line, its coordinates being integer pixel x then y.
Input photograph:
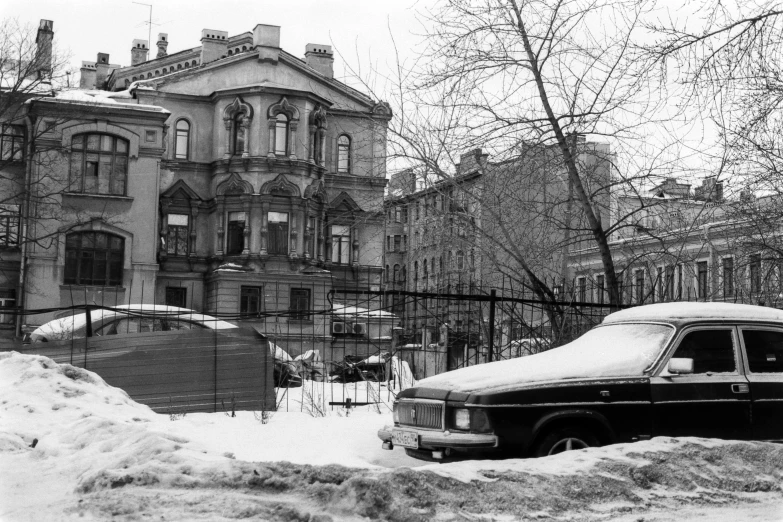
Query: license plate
{"type": "Point", "coordinates": [406, 439]}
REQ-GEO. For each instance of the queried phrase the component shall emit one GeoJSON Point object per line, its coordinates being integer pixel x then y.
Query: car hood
{"type": "Point", "coordinates": [591, 357]}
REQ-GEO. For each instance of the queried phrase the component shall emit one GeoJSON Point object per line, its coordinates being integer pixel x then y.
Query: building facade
{"type": "Point", "coordinates": [233, 178]}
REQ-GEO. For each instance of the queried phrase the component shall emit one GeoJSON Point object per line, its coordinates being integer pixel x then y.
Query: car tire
{"type": "Point", "coordinates": [564, 439]}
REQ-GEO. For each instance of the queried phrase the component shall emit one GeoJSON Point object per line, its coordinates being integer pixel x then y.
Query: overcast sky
{"type": "Point", "coordinates": [88, 27]}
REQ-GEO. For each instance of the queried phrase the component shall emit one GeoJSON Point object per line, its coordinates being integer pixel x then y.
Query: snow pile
{"type": "Point", "coordinates": [622, 350]}
{"type": "Point", "coordinates": [99, 455]}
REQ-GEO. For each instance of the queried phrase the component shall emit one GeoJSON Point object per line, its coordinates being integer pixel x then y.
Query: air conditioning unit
{"type": "Point", "coordinates": [360, 328]}
{"type": "Point", "coordinates": [339, 327]}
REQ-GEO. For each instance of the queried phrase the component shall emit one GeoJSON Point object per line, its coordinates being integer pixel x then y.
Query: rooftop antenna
{"type": "Point", "coordinates": [149, 36]}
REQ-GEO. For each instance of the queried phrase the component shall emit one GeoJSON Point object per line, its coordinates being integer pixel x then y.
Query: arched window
{"type": "Point", "coordinates": [135, 78]}
{"type": "Point", "coordinates": [344, 154]}
{"type": "Point", "coordinates": [230, 52]}
{"type": "Point", "coordinates": [460, 260]}
{"type": "Point", "coordinates": [165, 70]}
{"type": "Point", "coordinates": [239, 134]}
{"type": "Point", "coordinates": [403, 274]}
{"type": "Point", "coordinates": [149, 75]}
{"type": "Point", "coordinates": [415, 270]}
{"type": "Point", "coordinates": [127, 82]}
{"type": "Point", "coordinates": [244, 47]}
{"type": "Point", "coordinates": [99, 164]}
{"type": "Point", "coordinates": [157, 72]}
{"type": "Point", "coordinates": [182, 139]}
{"type": "Point", "coordinates": [94, 258]}
{"type": "Point", "coordinates": [396, 277]}
{"type": "Point", "coordinates": [281, 135]}
{"type": "Point", "coordinates": [179, 66]}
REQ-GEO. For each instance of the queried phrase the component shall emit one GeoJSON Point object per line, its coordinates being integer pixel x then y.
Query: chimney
{"type": "Point", "coordinates": [163, 43]}
{"type": "Point", "coordinates": [471, 161]}
{"type": "Point", "coordinates": [87, 78]}
{"type": "Point", "coordinates": [214, 45]}
{"type": "Point", "coordinates": [139, 52]}
{"type": "Point", "coordinates": [43, 43]}
{"type": "Point", "coordinates": [266, 40]}
{"type": "Point", "coordinates": [101, 70]}
{"type": "Point", "coordinates": [320, 58]}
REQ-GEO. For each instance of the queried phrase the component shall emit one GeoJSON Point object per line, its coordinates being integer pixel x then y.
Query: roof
{"type": "Point", "coordinates": [681, 312]}
{"type": "Point", "coordinates": [102, 99]}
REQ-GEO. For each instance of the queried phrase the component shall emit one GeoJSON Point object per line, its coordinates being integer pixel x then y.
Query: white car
{"type": "Point", "coordinates": [136, 318]}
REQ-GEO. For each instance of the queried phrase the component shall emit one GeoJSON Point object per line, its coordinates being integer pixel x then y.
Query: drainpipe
{"type": "Point", "coordinates": [25, 217]}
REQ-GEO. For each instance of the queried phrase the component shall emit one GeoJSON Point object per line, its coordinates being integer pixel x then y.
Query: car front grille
{"type": "Point", "coordinates": [421, 414]}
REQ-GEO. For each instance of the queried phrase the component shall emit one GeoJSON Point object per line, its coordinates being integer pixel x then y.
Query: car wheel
{"type": "Point", "coordinates": [564, 439]}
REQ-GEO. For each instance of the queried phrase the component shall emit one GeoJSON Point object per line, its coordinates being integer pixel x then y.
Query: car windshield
{"type": "Point", "coordinates": [617, 350]}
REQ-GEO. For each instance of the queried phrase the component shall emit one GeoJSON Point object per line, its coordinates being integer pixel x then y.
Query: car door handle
{"type": "Point", "coordinates": [740, 388]}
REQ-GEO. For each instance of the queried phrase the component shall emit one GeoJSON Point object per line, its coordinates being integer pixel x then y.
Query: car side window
{"type": "Point", "coordinates": [765, 350]}
{"type": "Point", "coordinates": [183, 325]}
{"type": "Point", "coordinates": [711, 351]}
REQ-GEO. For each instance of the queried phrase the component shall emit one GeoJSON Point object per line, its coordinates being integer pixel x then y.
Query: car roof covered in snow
{"type": "Point", "coordinates": [696, 311]}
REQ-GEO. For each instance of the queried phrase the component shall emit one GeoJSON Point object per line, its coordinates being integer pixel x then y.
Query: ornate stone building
{"type": "Point", "coordinates": [233, 178]}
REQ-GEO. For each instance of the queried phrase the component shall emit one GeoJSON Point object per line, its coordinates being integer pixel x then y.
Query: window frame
{"type": "Point", "coordinates": [180, 230]}
{"type": "Point", "coordinates": [77, 182]}
{"type": "Point", "coordinates": [181, 135]}
{"type": "Point", "coordinates": [245, 294]}
{"type": "Point", "coordinates": [9, 231]}
{"type": "Point", "coordinates": [295, 310]}
{"type": "Point", "coordinates": [283, 124]}
{"type": "Point", "coordinates": [344, 163]}
{"type": "Point", "coordinates": [16, 141]}
{"type": "Point", "coordinates": [337, 252]}
{"type": "Point", "coordinates": [285, 248]}
{"type": "Point", "coordinates": [111, 261]}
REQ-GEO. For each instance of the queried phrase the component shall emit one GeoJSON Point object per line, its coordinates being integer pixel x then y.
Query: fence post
{"type": "Point", "coordinates": [492, 297]}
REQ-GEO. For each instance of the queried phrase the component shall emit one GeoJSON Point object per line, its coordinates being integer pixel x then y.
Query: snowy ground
{"type": "Point", "coordinates": [103, 456]}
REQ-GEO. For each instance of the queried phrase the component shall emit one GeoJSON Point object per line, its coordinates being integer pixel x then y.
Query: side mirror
{"type": "Point", "coordinates": [680, 366]}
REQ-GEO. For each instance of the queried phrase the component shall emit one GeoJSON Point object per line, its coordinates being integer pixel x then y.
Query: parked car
{"type": "Point", "coordinates": [679, 369]}
{"type": "Point", "coordinates": [136, 318]}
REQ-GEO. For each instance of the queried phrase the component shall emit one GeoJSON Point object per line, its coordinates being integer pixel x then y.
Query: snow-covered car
{"type": "Point", "coordinates": [134, 318]}
{"type": "Point", "coordinates": [678, 369]}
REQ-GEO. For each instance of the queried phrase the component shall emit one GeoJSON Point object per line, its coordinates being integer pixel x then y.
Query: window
{"type": "Point", "coordinates": [728, 277]}
{"type": "Point", "coordinates": [300, 304]}
{"type": "Point", "coordinates": [711, 351]}
{"type": "Point", "coordinates": [344, 154]}
{"type": "Point", "coordinates": [599, 283]}
{"type": "Point", "coordinates": [277, 232]}
{"type": "Point", "coordinates": [398, 214]}
{"type": "Point", "coordinates": [386, 274]}
{"type": "Point", "coordinates": [9, 225]}
{"type": "Point", "coordinates": [659, 281]}
{"type": "Point", "coordinates": [12, 143]}
{"type": "Point", "coordinates": [182, 138]}
{"type": "Point", "coordinates": [460, 260]}
{"type": "Point", "coordinates": [639, 287]}
{"type": "Point", "coordinates": [250, 300]}
{"type": "Point", "coordinates": [755, 273]}
{"type": "Point", "coordinates": [669, 294]}
{"type": "Point", "coordinates": [94, 258]}
{"type": "Point", "coordinates": [235, 242]}
{"type": "Point", "coordinates": [177, 240]}
{"type": "Point", "coordinates": [701, 278]}
{"type": "Point", "coordinates": [239, 134]}
{"type": "Point", "coordinates": [396, 277]}
{"type": "Point", "coordinates": [281, 135]}
{"type": "Point", "coordinates": [397, 243]}
{"type": "Point", "coordinates": [341, 247]}
{"type": "Point", "coordinates": [312, 223]}
{"type": "Point", "coordinates": [415, 270]}
{"type": "Point", "coordinates": [404, 243]}
{"type": "Point", "coordinates": [581, 285]}
{"type": "Point", "coordinates": [99, 164]}
{"type": "Point", "coordinates": [7, 300]}
{"type": "Point", "coordinates": [176, 296]}
{"type": "Point", "coordinates": [765, 350]}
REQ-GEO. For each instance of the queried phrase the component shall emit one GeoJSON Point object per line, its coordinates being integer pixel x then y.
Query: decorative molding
{"type": "Point", "coordinates": [236, 107]}
{"type": "Point", "coordinates": [316, 191]}
{"type": "Point", "coordinates": [285, 108]}
{"type": "Point", "coordinates": [180, 187]}
{"type": "Point", "coordinates": [318, 117]}
{"type": "Point", "coordinates": [234, 185]}
{"type": "Point", "coordinates": [382, 109]}
{"type": "Point", "coordinates": [104, 128]}
{"type": "Point", "coordinates": [343, 199]}
{"type": "Point", "coordinates": [280, 185]}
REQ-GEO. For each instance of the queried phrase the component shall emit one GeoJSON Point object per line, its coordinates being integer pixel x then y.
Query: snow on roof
{"type": "Point", "coordinates": [682, 311]}
{"type": "Point", "coordinates": [345, 310]}
{"type": "Point", "coordinates": [119, 100]}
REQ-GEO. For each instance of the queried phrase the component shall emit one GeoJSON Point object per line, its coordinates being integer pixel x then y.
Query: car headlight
{"type": "Point", "coordinates": [395, 413]}
{"type": "Point", "coordinates": [461, 419]}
